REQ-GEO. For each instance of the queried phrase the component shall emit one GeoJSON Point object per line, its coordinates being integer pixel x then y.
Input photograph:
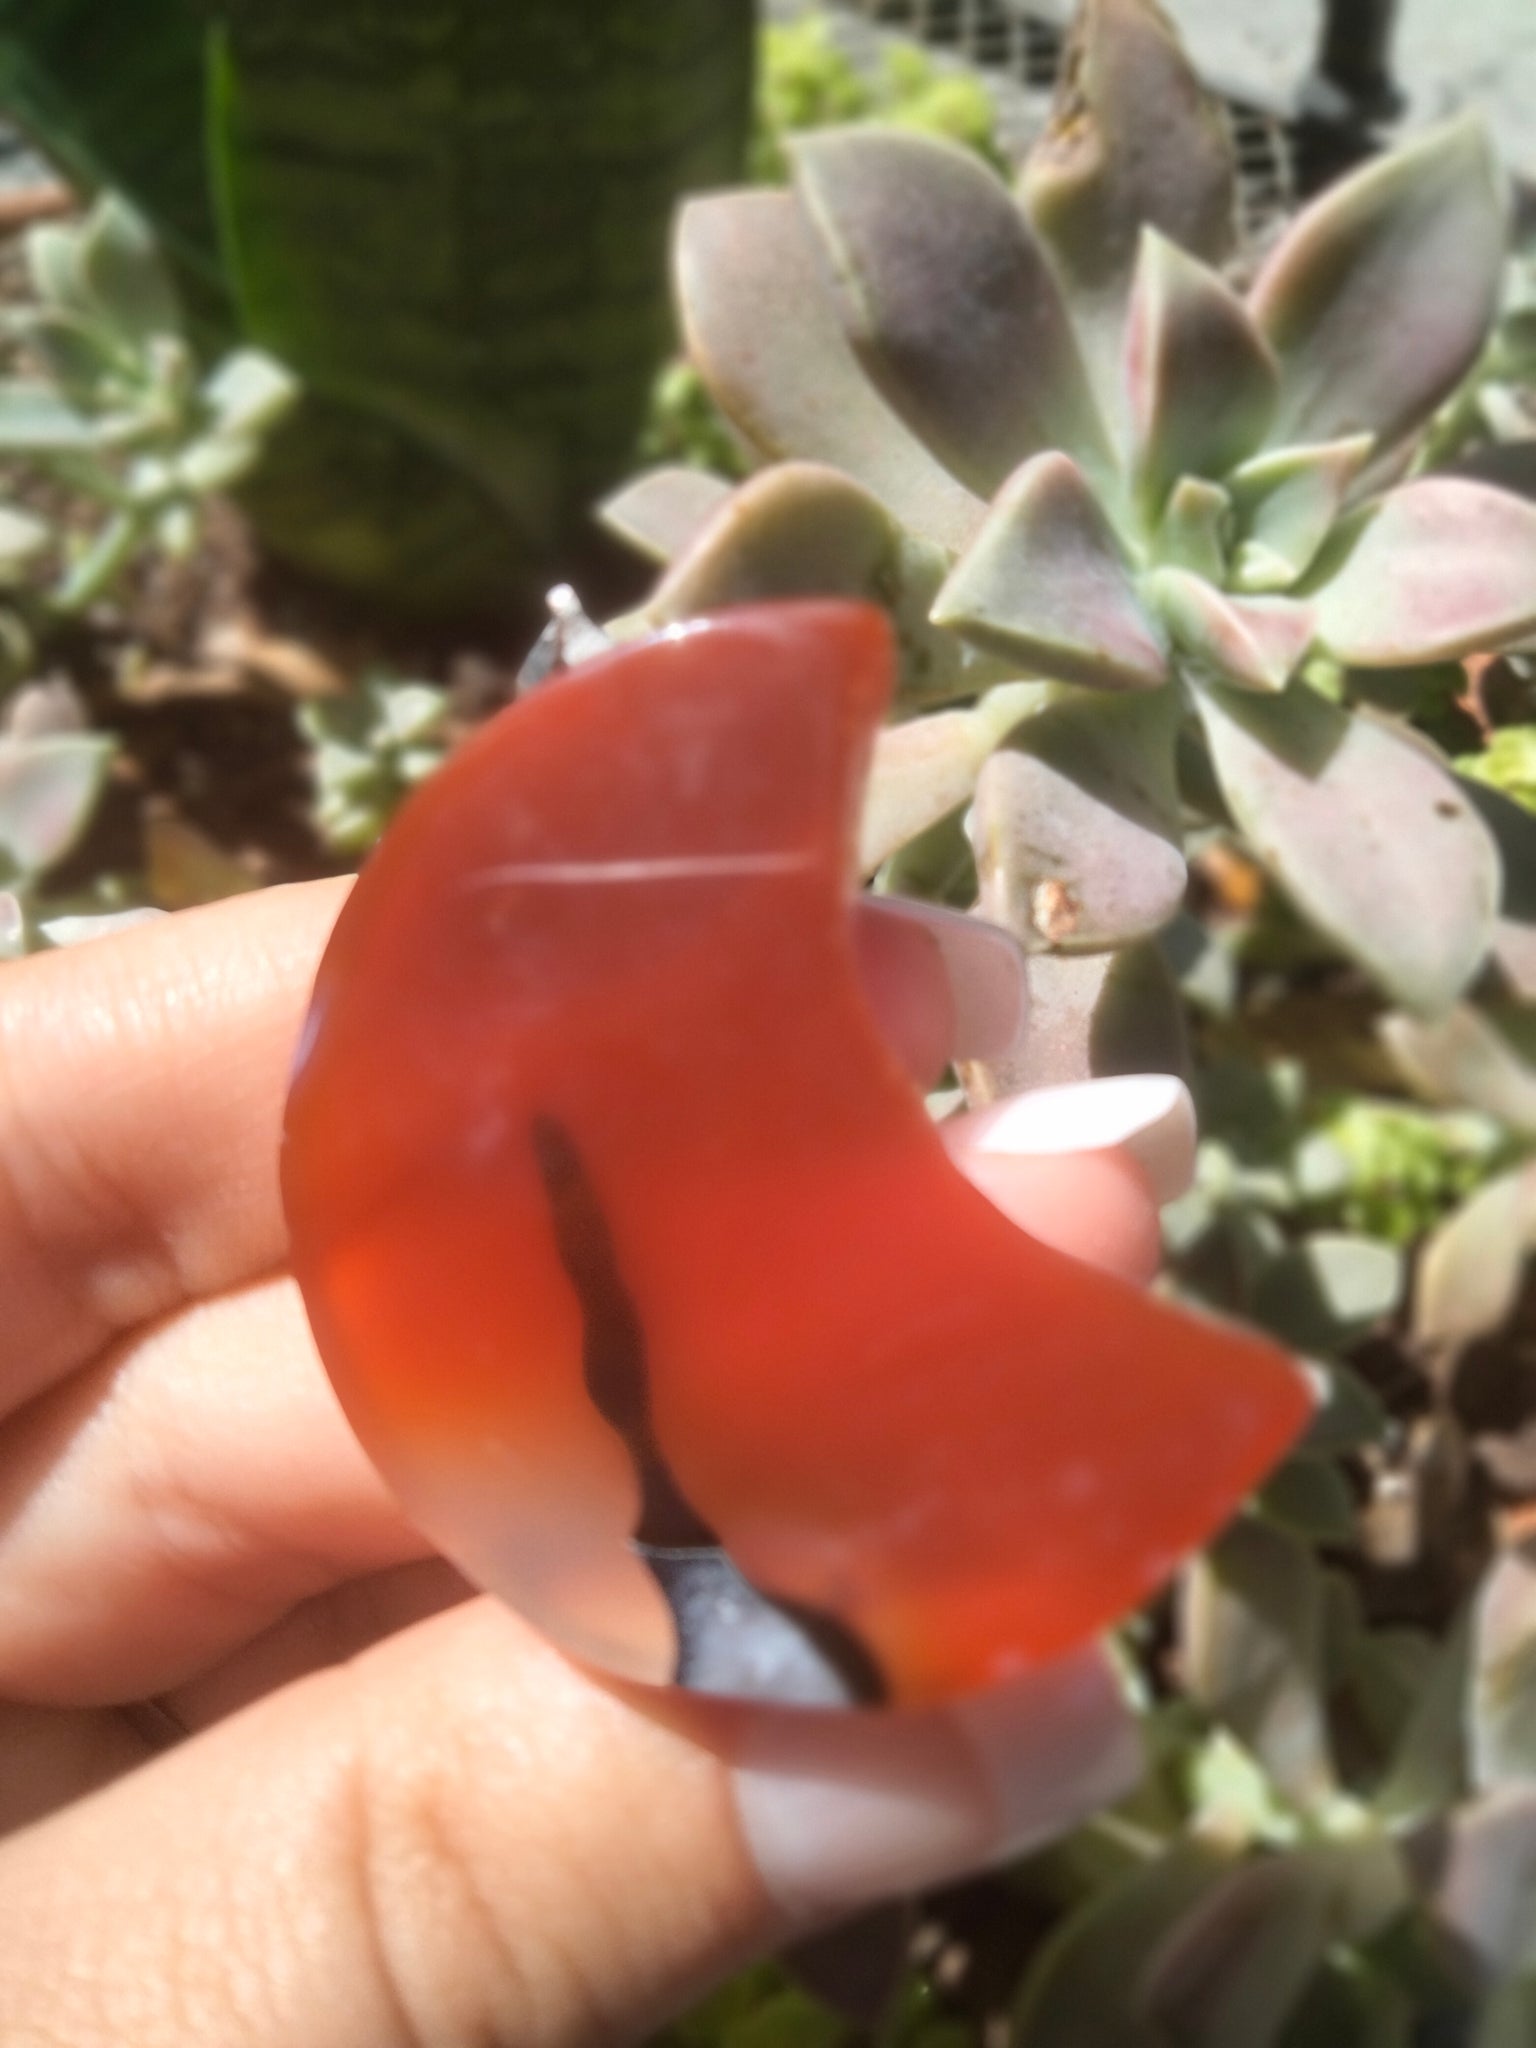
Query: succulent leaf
{"type": "Point", "coordinates": [1045, 584]}
{"type": "Point", "coordinates": [927, 768]}
{"type": "Point", "coordinates": [948, 301]}
{"type": "Point", "coordinates": [1251, 1633]}
{"type": "Point", "coordinates": [1463, 1057]}
{"type": "Point", "coordinates": [800, 529]}
{"type": "Point", "coordinates": [662, 512]}
{"type": "Point", "coordinates": [1286, 503]}
{"type": "Point", "coordinates": [1503, 1700]}
{"type": "Point", "coordinates": [1133, 141]}
{"type": "Point", "coordinates": [1469, 1272]}
{"type": "Point", "coordinates": [1483, 1888]}
{"type": "Point", "coordinates": [1327, 1291]}
{"type": "Point", "coordinates": [1201, 383]}
{"type": "Point", "coordinates": [1076, 825]}
{"type": "Point", "coordinates": [1194, 529]}
{"type": "Point", "coordinates": [1090, 1014]}
{"type": "Point", "coordinates": [48, 788]}
{"type": "Point", "coordinates": [1077, 1994]}
{"type": "Point", "coordinates": [1442, 566]}
{"type": "Point", "coordinates": [740, 253]}
{"type": "Point", "coordinates": [1248, 643]}
{"type": "Point", "coordinates": [1381, 293]}
{"type": "Point", "coordinates": [1340, 809]}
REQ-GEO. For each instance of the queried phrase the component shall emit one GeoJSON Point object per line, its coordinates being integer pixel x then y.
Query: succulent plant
{"type": "Point", "coordinates": [1163, 540]}
{"type": "Point", "coordinates": [369, 750]}
{"type": "Point", "coordinates": [115, 409]}
{"type": "Point", "coordinates": [51, 773]}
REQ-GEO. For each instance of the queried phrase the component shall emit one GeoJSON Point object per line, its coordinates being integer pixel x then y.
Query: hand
{"type": "Point", "coordinates": [273, 1774]}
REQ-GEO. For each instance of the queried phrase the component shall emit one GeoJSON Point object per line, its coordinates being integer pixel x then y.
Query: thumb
{"type": "Point", "coordinates": [461, 1836]}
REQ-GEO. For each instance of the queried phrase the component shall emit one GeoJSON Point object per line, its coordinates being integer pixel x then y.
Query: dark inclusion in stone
{"type": "Point", "coordinates": [732, 1637]}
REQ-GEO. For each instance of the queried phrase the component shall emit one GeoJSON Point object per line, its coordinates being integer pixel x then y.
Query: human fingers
{"type": "Point", "coordinates": [141, 1090]}
{"type": "Point", "coordinates": [175, 1499]}
{"type": "Point", "coordinates": [478, 1842]}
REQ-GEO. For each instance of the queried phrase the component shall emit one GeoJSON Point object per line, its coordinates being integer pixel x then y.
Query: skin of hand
{"type": "Point", "coordinates": [270, 1772]}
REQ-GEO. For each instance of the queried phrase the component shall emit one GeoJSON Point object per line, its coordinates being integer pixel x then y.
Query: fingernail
{"type": "Point", "coordinates": [1150, 1116]}
{"type": "Point", "coordinates": [843, 1810]}
{"type": "Point", "coordinates": [986, 970]}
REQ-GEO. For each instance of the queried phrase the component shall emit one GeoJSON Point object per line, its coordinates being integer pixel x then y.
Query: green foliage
{"type": "Point", "coordinates": [449, 222]}
{"type": "Point", "coordinates": [370, 749]}
{"type": "Point", "coordinates": [1507, 763]}
{"type": "Point", "coordinates": [1400, 1169]}
{"type": "Point", "coordinates": [116, 410]}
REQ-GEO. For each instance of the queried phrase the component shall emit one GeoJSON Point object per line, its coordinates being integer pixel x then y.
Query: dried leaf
{"type": "Point", "coordinates": [1442, 567]}
{"type": "Point", "coordinates": [1076, 824]}
{"type": "Point", "coordinates": [739, 253]}
{"type": "Point", "coordinates": [1248, 643]}
{"type": "Point", "coordinates": [928, 767]}
{"type": "Point", "coordinates": [1286, 503]}
{"type": "Point", "coordinates": [662, 512]}
{"type": "Point", "coordinates": [1380, 295]}
{"type": "Point", "coordinates": [1201, 384]}
{"type": "Point", "coordinates": [948, 301]}
{"type": "Point", "coordinates": [1250, 1622]}
{"type": "Point", "coordinates": [1045, 584]}
{"type": "Point", "coordinates": [1340, 809]}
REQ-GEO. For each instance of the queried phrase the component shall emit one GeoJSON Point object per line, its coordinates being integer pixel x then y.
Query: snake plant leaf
{"type": "Point", "coordinates": [948, 301]}
{"type": "Point", "coordinates": [1248, 643]}
{"type": "Point", "coordinates": [48, 789]}
{"type": "Point", "coordinates": [1481, 1881]}
{"type": "Point", "coordinates": [1201, 383]}
{"type": "Point", "coordinates": [1380, 295]}
{"type": "Point", "coordinates": [1081, 1992]}
{"type": "Point", "coordinates": [1234, 1969]}
{"type": "Point", "coordinates": [1076, 824]}
{"type": "Point", "coordinates": [1472, 1264]}
{"type": "Point", "coordinates": [1286, 502]}
{"type": "Point", "coordinates": [1045, 584]}
{"type": "Point", "coordinates": [662, 512]}
{"type": "Point", "coordinates": [1250, 1627]}
{"type": "Point", "coordinates": [1441, 567]}
{"type": "Point", "coordinates": [1464, 1058]}
{"type": "Point", "coordinates": [1339, 808]}
{"type": "Point", "coordinates": [1194, 529]}
{"type": "Point", "coordinates": [737, 253]}
{"type": "Point", "coordinates": [927, 768]}
{"type": "Point", "coordinates": [1502, 1705]}
{"type": "Point", "coordinates": [1133, 141]}
{"type": "Point", "coordinates": [800, 529]}
{"type": "Point", "coordinates": [1090, 1014]}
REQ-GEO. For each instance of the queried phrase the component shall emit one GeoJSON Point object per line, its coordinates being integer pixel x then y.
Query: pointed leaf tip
{"type": "Point", "coordinates": [1443, 567]}
{"type": "Point", "coordinates": [1201, 384]}
{"type": "Point", "coordinates": [947, 300]}
{"type": "Point", "coordinates": [1249, 643]}
{"type": "Point", "coordinates": [1133, 141]}
{"type": "Point", "coordinates": [1045, 584]}
{"type": "Point", "coordinates": [1381, 293]}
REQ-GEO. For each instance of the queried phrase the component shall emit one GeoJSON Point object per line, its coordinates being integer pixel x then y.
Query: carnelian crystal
{"type": "Point", "coordinates": [616, 1216]}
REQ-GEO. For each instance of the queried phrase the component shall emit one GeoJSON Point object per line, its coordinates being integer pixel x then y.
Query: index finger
{"type": "Point", "coordinates": [142, 1080]}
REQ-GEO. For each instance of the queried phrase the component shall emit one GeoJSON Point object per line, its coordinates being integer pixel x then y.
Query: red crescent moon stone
{"type": "Point", "coordinates": [635, 1257]}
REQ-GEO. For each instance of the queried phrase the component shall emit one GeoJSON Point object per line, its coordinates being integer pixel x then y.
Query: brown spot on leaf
{"type": "Point", "coordinates": [1054, 911]}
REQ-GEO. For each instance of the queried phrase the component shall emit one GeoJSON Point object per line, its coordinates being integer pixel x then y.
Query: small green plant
{"type": "Point", "coordinates": [52, 772]}
{"type": "Point", "coordinates": [114, 412]}
{"type": "Point", "coordinates": [370, 749]}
